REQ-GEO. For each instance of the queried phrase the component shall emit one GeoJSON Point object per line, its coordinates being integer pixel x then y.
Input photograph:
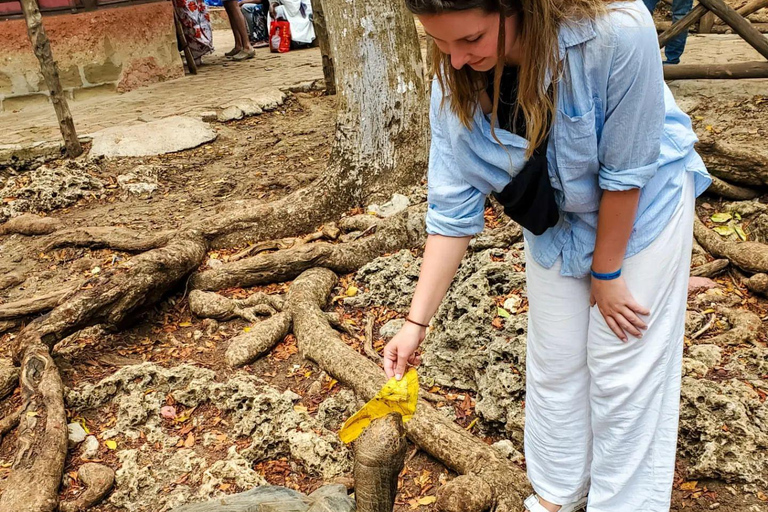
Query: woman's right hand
{"type": "Point", "coordinates": [401, 350]}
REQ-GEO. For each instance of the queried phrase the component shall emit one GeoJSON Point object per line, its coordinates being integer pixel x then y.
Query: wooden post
{"type": "Point", "coordinates": [750, 7]}
{"type": "Point", "coordinates": [706, 22]}
{"type": "Point", "coordinates": [739, 25]}
{"type": "Point", "coordinates": [682, 24]}
{"type": "Point", "coordinates": [321, 30]}
{"type": "Point", "coordinates": [716, 71]}
{"type": "Point", "coordinates": [42, 48]}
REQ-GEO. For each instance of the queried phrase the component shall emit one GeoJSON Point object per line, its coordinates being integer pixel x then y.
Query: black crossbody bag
{"type": "Point", "coordinates": [529, 198]}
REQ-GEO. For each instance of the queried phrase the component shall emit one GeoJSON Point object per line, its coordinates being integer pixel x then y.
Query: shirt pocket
{"type": "Point", "coordinates": [577, 162]}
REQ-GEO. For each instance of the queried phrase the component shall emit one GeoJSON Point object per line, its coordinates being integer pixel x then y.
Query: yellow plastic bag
{"type": "Point", "coordinates": [396, 396]}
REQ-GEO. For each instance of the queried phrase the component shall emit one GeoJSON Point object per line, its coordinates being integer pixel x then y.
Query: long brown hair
{"type": "Point", "coordinates": [539, 25]}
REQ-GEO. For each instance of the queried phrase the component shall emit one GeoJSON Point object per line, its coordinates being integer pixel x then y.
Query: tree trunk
{"type": "Point", "coordinates": [321, 29]}
{"type": "Point", "coordinates": [381, 137]}
{"type": "Point", "coordinates": [42, 48]}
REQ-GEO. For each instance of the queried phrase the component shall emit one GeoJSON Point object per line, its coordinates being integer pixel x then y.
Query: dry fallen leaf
{"type": "Point", "coordinates": [689, 486]}
{"type": "Point", "coordinates": [190, 441]}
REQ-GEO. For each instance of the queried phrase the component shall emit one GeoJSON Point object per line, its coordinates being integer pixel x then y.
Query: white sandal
{"type": "Point", "coordinates": [532, 504]}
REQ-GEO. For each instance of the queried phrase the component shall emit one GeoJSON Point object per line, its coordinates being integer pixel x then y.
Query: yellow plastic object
{"type": "Point", "coordinates": [396, 396]}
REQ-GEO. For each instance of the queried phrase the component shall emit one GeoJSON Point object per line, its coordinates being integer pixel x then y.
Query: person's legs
{"type": "Point", "coordinates": [248, 11]}
{"type": "Point", "coordinates": [558, 443]}
{"type": "Point", "coordinates": [651, 4]}
{"type": "Point", "coordinates": [674, 48]}
{"type": "Point", "coordinates": [233, 13]}
{"type": "Point", "coordinates": [635, 386]}
{"type": "Point", "coordinates": [239, 27]}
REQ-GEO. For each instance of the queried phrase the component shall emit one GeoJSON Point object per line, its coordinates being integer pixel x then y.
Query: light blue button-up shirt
{"type": "Point", "coordinates": [616, 127]}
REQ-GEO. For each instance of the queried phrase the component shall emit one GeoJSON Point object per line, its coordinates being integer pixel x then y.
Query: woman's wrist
{"type": "Point", "coordinates": [606, 276]}
{"type": "Point", "coordinates": [424, 325]}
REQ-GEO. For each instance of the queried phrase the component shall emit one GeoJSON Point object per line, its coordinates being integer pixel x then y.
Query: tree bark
{"type": "Point", "coordinates": [749, 256]}
{"type": "Point", "coordinates": [737, 162]}
{"type": "Point", "coordinates": [381, 125]}
{"type": "Point", "coordinates": [682, 24]}
{"type": "Point", "coordinates": [379, 458]}
{"type": "Point", "coordinates": [731, 191]}
{"type": "Point", "coordinates": [321, 29]}
{"type": "Point", "coordinates": [739, 24]}
{"type": "Point", "coordinates": [42, 48]}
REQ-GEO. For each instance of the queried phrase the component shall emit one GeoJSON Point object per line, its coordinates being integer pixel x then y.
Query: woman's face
{"type": "Point", "coordinates": [471, 37]}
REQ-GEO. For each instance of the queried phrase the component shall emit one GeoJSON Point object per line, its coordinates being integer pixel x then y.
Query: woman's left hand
{"type": "Point", "coordinates": [618, 307]}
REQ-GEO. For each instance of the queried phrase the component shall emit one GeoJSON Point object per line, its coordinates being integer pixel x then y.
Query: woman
{"type": "Point", "coordinates": [559, 107]}
{"type": "Point", "coordinates": [196, 22]}
{"type": "Point", "coordinates": [299, 14]}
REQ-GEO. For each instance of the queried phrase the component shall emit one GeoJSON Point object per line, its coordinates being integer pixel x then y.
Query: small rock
{"type": "Point", "coordinates": [209, 116]}
{"type": "Point", "coordinates": [230, 113]}
{"type": "Point", "coordinates": [398, 203]}
{"type": "Point", "coordinates": [696, 283]}
{"type": "Point", "coordinates": [389, 329]}
{"type": "Point", "coordinates": [210, 326]}
{"type": "Point", "coordinates": [693, 322]}
{"type": "Point", "coordinates": [76, 434]}
{"type": "Point", "coordinates": [507, 449]}
{"type": "Point", "coordinates": [214, 262]}
{"type": "Point", "coordinates": [165, 135]}
{"type": "Point", "coordinates": [708, 354]}
{"type": "Point", "coordinates": [315, 388]}
{"type": "Point", "coordinates": [269, 99]}
{"type": "Point", "coordinates": [197, 335]}
{"type": "Point", "coordinates": [249, 107]}
{"type": "Point", "coordinates": [331, 231]}
{"type": "Point", "coordinates": [512, 303]}
{"type": "Point", "coordinates": [90, 448]}
{"type": "Point", "coordinates": [142, 180]}
{"type": "Point", "coordinates": [168, 412]}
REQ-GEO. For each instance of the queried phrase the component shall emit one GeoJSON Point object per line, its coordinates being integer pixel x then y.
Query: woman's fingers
{"type": "Point", "coordinates": [615, 328]}
{"type": "Point", "coordinates": [633, 318]}
{"type": "Point", "coordinates": [627, 326]}
{"type": "Point", "coordinates": [637, 308]}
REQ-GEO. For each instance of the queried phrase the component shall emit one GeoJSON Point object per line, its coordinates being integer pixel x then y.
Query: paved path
{"type": "Point", "coordinates": [217, 82]}
{"type": "Point", "coordinates": [220, 81]}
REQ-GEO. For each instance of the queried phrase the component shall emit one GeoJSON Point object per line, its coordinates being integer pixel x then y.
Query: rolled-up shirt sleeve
{"type": "Point", "coordinates": [630, 141]}
{"type": "Point", "coordinates": [455, 206]}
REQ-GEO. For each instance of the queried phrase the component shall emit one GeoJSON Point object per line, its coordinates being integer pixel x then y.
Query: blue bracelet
{"type": "Point", "coordinates": [606, 277]}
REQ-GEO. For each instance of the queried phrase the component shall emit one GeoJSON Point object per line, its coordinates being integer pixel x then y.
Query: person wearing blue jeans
{"type": "Point", "coordinates": [674, 48]}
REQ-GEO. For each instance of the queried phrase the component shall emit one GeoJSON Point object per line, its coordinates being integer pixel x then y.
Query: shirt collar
{"type": "Point", "coordinates": [575, 32]}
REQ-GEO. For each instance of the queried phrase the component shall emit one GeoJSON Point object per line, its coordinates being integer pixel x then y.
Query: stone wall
{"type": "Point", "coordinates": [108, 50]}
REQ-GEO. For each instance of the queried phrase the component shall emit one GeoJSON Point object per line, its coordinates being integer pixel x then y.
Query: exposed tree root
{"type": "Point", "coordinates": [443, 439]}
{"type": "Point", "coordinates": [248, 346]}
{"type": "Point", "coordinates": [33, 483]}
{"type": "Point", "coordinates": [116, 294]}
{"type": "Point", "coordinates": [9, 377]}
{"type": "Point", "coordinates": [218, 307]}
{"type": "Point", "coordinates": [11, 279]}
{"type": "Point", "coordinates": [758, 283]}
{"type": "Point", "coordinates": [98, 480]}
{"type": "Point", "coordinates": [8, 423]}
{"type": "Point", "coordinates": [119, 239]}
{"type": "Point", "coordinates": [368, 344]}
{"type": "Point", "coordinates": [34, 305]}
{"type": "Point", "coordinates": [731, 191]}
{"type": "Point", "coordinates": [749, 256]}
{"type": "Point", "coordinates": [401, 231]}
{"type": "Point", "coordinates": [736, 162]}
{"type": "Point", "coordinates": [745, 326]}
{"type": "Point", "coordinates": [465, 493]}
{"type": "Point", "coordinates": [710, 269]}
{"type": "Point", "coordinates": [359, 222]}
{"type": "Point", "coordinates": [379, 458]}
{"type": "Point", "coordinates": [500, 237]}
{"type": "Point", "coordinates": [29, 224]}
{"type": "Point", "coordinates": [7, 325]}
{"type": "Point", "coordinates": [698, 255]}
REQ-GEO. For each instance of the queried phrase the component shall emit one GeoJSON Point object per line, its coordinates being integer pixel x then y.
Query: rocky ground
{"type": "Point", "coordinates": [158, 403]}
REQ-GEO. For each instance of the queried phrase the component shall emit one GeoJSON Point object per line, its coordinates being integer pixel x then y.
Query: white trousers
{"type": "Point", "coordinates": [602, 415]}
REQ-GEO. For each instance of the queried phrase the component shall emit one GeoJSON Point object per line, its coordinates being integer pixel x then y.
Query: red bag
{"type": "Point", "coordinates": [280, 36]}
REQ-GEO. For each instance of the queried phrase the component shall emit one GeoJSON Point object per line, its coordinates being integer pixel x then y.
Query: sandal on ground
{"type": "Point", "coordinates": [244, 55]}
{"type": "Point", "coordinates": [232, 52]}
{"type": "Point", "coordinates": [532, 504]}
{"type": "Point", "coordinates": [260, 44]}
